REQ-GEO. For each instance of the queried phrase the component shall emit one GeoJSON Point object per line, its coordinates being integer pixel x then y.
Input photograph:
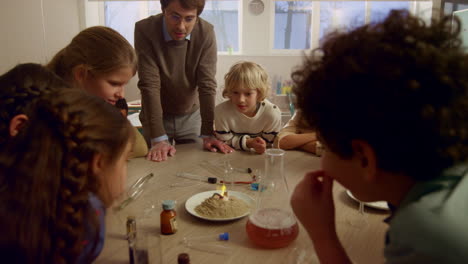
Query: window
{"type": "Point", "coordinates": [122, 15]}
{"type": "Point", "coordinates": [450, 6]}
{"type": "Point", "coordinates": [299, 24]}
{"type": "Point", "coordinates": [224, 15]}
{"type": "Point", "coordinates": [379, 10]}
{"type": "Point", "coordinates": [341, 15]}
{"type": "Point", "coordinates": [293, 22]}
{"type": "Point", "coordinates": [285, 27]}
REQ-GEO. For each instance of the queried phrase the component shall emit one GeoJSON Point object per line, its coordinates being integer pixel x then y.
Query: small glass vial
{"type": "Point", "coordinates": [131, 238]}
{"type": "Point", "coordinates": [168, 218]}
{"type": "Point", "coordinates": [183, 258]}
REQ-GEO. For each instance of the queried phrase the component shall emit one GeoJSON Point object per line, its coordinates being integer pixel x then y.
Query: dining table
{"type": "Point", "coordinates": [363, 242]}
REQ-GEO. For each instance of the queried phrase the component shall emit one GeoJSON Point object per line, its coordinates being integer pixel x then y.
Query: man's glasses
{"type": "Point", "coordinates": [176, 19]}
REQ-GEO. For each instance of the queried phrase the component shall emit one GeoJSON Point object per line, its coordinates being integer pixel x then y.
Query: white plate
{"type": "Point", "coordinates": [381, 205]}
{"type": "Point", "coordinates": [198, 198]}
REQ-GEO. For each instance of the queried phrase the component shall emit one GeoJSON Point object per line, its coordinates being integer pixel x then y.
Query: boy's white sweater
{"type": "Point", "coordinates": [234, 128]}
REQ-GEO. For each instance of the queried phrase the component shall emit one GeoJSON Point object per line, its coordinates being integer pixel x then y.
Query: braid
{"type": "Point", "coordinates": [21, 87]}
{"type": "Point", "coordinates": [82, 135]}
{"type": "Point", "coordinates": [46, 176]}
{"type": "Point", "coordinates": [72, 198]}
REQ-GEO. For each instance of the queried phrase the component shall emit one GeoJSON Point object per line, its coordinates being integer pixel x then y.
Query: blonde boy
{"type": "Point", "coordinates": [247, 121]}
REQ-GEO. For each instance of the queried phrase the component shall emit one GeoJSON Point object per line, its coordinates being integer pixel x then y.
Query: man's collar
{"type": "Point", "coordinates": [168, 37]}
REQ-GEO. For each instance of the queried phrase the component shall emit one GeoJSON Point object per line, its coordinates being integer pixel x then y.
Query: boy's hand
{"type": "Point", "coordinates": [212, 144]}
{"type": "Point", "coordinates": [160, 150]}
{"type": "Point", "coordinates": [312, 202]}
{"type": "Point", "coordinates": [257, 143]}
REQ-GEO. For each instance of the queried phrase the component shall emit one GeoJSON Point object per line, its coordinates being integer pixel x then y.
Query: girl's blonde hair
{"type": "Point", "coordinates": [100, 49]}
{"type": "Point", "coordinates": [247, 74]}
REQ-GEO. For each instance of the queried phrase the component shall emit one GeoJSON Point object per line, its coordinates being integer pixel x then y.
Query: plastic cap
{"type": "Point", "coordinates": [254, 186]}
{"type": "Point", "coordinates": [168, 204]}
{"type": "Point", "coordinates": [212, 180]}
{"type": "Point", "coordinates": [224, 236]}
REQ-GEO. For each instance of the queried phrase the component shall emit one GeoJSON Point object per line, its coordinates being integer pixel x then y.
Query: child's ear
{"type": "Point", "coordinates": [97, 164]}
{"type": "Point", "coordinates": [80, 73]}
{"type": "Point", "coordinates": [16, 123]}
{"type": "Point", "coordinates": [366, 158]}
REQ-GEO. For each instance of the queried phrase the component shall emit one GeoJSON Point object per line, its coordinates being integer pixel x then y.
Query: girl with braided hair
{"type": "Point", "coordinates": [98, 60]}
{"type": "Point", "coordinates": [21, 87]}
{"type": "Point", "coordinates": [64, 163]}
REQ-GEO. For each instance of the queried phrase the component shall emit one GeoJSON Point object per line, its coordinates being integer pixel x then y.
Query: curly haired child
{"type": "Point", "coordinates": [389, 102]}
{"type": "Point", "coordinates": [61, 167]}
{"type": "Point", "coordinates": [247, 121]}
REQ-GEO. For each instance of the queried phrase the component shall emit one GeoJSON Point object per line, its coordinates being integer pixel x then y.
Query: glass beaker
{"type": "Point", "coordinates": [273, 224]}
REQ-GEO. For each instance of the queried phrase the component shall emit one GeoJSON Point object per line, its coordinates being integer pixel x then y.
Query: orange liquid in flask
{"type": "Point", "coordinates": [272, 228]}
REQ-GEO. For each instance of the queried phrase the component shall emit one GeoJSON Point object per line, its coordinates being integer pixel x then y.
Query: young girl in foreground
{"type": "Point", "coordinates": [247, 121]}
{"type": "Point", "coordinates": [20, 89]}
{"type": "Point", "coordinates": [98, 60]}
{"type": "Point", "coordinates": [65, 164]}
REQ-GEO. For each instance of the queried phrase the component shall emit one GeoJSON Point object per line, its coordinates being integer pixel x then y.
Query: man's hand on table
{"type": "Point", "coordinates": [212, 144]}
{"type": "Point", "coordinates": [160, 150]}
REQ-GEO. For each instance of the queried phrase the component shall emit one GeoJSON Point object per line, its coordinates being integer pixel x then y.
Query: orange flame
{"type": "Point", "coordinates": [223, 189]}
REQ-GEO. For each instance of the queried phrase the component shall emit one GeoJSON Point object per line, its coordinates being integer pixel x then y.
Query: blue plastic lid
{"type": "Point", "coordinates": [168, 204]}
{"type": "Point", "coordinates": [224, 236]}
{"type": "Point", "coordinates": [254, 186]}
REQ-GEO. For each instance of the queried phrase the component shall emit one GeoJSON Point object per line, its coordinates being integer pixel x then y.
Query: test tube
{"type": "Point", "coordinates": [207, 238]}
{"type": "Point", "coordinates": [133, 192]}
{"type": "Point", "coordinates": [243, 170]}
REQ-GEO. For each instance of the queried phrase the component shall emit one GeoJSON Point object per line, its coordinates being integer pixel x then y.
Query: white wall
{"type": "Point", "coordinates": [22, 25]}
{"type": "Point", "coordinates": [280, 65]}
{"type": "Point", "coordinates": [34, 30]}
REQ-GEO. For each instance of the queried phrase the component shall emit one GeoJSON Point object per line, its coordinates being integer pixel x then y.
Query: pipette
{"type": "Point", "coordinates": [215, 249]}
{"type": "Point", "coordinates": [196, 177]}
{"type": "Point", "coordinates": [218, 169]}
{"type": "Point", "coordinates": [205, 243]}
{"type": "Point", "coordinates": [207, 238]}
{"type": "Point", "coordinates": [184, 184]}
